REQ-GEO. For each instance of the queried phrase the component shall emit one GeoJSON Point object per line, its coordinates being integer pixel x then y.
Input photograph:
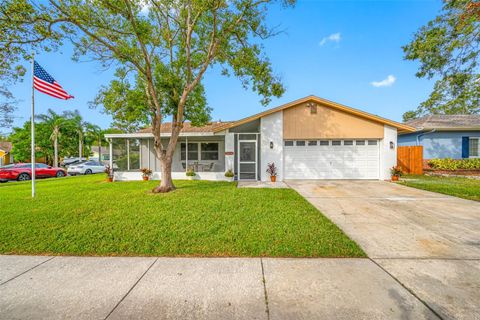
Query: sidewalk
{"type": "Point", "coordinates": [201, 288]}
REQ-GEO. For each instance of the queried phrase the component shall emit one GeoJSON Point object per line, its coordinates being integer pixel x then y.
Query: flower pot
{"type": "Point", "coordinates": [110, 179]}
{"type": "Point", "coordinates": [394, 178]}
{"type": "Point", "coordinates": [273, 178]}
{"type": "Point", "coordinates": [145, 178]}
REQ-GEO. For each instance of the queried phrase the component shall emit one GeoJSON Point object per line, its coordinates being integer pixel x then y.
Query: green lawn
{"type": "Point", "coordinates": [88, 216]}
{"type": "Point", "coordinates": [458, 187]}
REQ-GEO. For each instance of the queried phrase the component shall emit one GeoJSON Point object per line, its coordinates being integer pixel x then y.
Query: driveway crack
{"type": "Point", "coordinates": [18, 275]}
{"type": "Point", "coordinates": [408, 289]}
{"type": "Point", "coordinates": [130, 290]}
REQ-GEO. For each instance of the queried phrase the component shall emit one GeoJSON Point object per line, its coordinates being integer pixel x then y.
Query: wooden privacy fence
{"type": "Point", "coordinates": [410, 159]}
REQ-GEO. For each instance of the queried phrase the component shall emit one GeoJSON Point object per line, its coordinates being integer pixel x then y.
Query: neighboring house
{"type": "Point", "coordinates": [105, 153]}
{"type": "Point", "coordinates": [310, 138]}
{"type": "Point", "coordinates": [445, 136]}
{"type": "Point", "coordinates": [5, 153]}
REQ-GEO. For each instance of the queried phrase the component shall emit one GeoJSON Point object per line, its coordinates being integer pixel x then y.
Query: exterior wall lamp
{"type": "Point", "coordinates": [392, 145]}
{"type": "Point", "coordinates": [271, 144]}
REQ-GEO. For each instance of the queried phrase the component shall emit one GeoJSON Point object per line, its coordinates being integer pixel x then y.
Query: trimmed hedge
{"type": "Point", "coordinates": [455, 164]}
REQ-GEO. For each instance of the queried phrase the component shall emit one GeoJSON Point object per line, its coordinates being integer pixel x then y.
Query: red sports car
{"type": "Point", "coordinates": [23, 172]}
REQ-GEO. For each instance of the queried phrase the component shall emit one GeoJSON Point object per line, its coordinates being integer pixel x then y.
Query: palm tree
{"type": "Point", "coordinates": [54, 122]}
{"type": "Point", "coordinates": [95, 134]}
{"type": "Point", "coordinates": [79, 126]}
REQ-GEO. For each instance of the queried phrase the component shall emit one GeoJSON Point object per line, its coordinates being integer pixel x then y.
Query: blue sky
{"type": "Point", "coordinates": [345, 51]}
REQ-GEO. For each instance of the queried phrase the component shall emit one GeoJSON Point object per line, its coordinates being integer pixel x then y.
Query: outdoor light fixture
{"type": "Point", "coordinates": [271, 144]}
{"type": "Point", "coordinates": [392, 145]}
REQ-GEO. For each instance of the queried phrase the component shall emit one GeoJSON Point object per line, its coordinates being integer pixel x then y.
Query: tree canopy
{"type": "Point", "coordinates": [448, 49]}
{"type": "Point", "coordinates": [49, 126]}
{"type": "Point", "coordinates": [162, 49]}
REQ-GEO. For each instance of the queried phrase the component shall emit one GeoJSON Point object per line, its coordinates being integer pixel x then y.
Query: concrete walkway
{"type": "Point", "coordinates": [427, 241]}
{"type": "Point", "coordinates": [201, 288]}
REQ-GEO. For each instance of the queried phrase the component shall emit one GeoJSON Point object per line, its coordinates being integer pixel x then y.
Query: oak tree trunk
{"type": "Point", "coordinates": [166, 157]}
{"type": "Point", "coordinates": [166, 183]}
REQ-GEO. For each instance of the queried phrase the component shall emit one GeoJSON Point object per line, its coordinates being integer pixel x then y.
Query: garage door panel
{"type": "Point", "coordinates": [332, 162]}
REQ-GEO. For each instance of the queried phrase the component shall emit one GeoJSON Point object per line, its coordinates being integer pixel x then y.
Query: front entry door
{"type": "Point", "coordinates": [247, 160]}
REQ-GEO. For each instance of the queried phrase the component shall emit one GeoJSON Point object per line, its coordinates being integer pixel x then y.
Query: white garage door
{"type": "Point", "coordinates": [331, 159]}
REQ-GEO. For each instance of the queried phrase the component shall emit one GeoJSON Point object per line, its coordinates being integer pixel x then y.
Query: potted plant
{"type": "Point", "coordinates": [272, 171]}
{"type": "Point", "coordinates": [190, 173]}
{"type": "Point", "coordinates": [146, 173]}
{"type": "Point", "coordinates": [396, 173]}
{"type": "Point", "coordinates": [109, 172]}
{"type": "Point", "coordinates": [229, 174]}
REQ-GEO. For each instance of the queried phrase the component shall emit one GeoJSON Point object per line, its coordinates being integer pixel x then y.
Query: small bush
{"type": "Point", "coordinates": [190, 172]}
{"type": "Point", "coordinates": [229, 173]}
{"type": "Point", "coordinates": [396, 171]}
{"type": "Point", "coordinates": [454, 164]}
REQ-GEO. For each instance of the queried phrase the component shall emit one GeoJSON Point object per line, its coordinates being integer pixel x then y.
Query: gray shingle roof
{"type": "Point", "coordinates": [442, 121]}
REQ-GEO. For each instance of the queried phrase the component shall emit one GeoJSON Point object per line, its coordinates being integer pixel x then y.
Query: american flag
{"type": "Point", "coordinates": [45, 83]}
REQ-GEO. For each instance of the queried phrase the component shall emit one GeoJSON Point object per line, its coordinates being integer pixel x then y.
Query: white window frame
{"type": "Point", "coordinates": [478, 147]}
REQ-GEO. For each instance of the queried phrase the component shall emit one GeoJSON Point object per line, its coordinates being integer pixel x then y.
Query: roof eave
{"type": "Point", "coordinates": [163, 135]}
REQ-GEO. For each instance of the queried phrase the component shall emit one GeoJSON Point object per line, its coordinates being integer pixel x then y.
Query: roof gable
{"type": "Point", "coordinates": [328, 103]}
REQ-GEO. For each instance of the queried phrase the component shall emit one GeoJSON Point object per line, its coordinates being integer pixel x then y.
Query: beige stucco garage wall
{"type": "Point", "coordinates": [327, 123]}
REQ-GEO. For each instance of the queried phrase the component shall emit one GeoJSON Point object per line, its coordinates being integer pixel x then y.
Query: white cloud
{"type": "Point", "coordinates": [389, 81]}
{"type": "Point", "coordinates": [334, 37]}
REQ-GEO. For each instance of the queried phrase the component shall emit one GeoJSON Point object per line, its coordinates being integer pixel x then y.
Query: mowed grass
{"type": "Point", "coordinates": [88, 216]}
{"type": "Point", "coordinates": [458, 187]}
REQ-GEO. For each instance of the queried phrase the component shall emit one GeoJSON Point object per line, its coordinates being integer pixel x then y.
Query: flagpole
{"type": "Point", "coordinates": [33, 128]}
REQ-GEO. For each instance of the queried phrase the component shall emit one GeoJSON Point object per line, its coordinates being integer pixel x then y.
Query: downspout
{"type": "Point", "coordinates": [423, 134]}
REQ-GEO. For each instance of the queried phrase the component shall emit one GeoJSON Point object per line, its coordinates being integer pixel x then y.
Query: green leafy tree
{"type": "Point", "coordinates": [55, 123]}
{"type": "Point", "coordinates": [448, 49]}
{"type": "Point", "coordinates": [95, 135]}
{"type": "Point", "coordinates": [80, 127]}
{"type": "Point", "coordinates": [7, 107]}
{"type": "Point", "coordinates": [164, 48]}
{"type": "Point", "coordinates": [49, 128]}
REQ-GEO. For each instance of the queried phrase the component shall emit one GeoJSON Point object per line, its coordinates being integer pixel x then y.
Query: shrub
{"type": "Point", "coordinates": [272, 169]}
{"type": "Point", "coordinates": [396, 171]}
{"type": "Point", "coordinates": [190, 172]}
{"type": "Point", "coordinates": [146, 172]}
{"type": "Point", "coordinates": [229, 173]}
{"type": "Point", "coordinates": [454, 164]}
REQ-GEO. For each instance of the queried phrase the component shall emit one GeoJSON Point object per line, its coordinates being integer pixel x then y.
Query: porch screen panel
{"type": "Point", "coordinates": [209, 151]}
{"type": "Point", "coordinates": [192, 151]}
{"type": "Point", "coordinates": [120, 159]}
{"type": "Point", "coordinates": [134, 154]}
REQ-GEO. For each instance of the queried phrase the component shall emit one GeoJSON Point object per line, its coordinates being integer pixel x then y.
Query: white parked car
{"type": "Point", "coordinates": [73, 160]}
{"type": "Point", "coordinates": [87, 167]}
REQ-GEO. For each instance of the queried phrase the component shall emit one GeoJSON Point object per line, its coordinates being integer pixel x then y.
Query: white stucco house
{"type": "Point", "coordinates": [309, 138]}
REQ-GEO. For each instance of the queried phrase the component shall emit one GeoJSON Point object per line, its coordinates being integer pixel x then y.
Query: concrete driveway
{"type": "Point", "coordinates": [428, 242]}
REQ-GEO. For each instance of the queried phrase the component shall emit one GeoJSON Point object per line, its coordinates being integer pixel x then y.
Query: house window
{"type": "Point", "coordinates": [360, 142]}
{"type": "Point", "coordinates": [474, 147]}
{"type": "Point", "coordinates": [336, 143]}
{"type": "Point", "coordinates": [288, 143]}
{"type": "Point", "coordinates": [312, 143]}
{"type": "Point", "coordinates": [348, 143]}
{"type": "Point", "coordinates": [209, 151]}
{"type": "Point", "coordinates": [324, 142]}
{"type": "Point", "coordinates": [192, 151]}
{"type": "Point", "coordinates": [300, 143]}
{"type": "Point", "coordinates": [372, 142]}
